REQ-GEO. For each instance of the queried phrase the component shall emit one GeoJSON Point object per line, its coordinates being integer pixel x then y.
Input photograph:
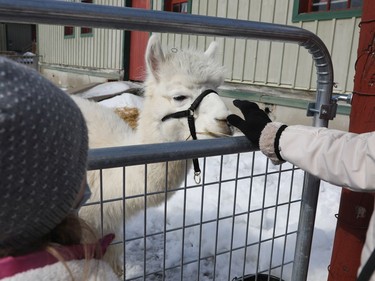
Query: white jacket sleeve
{"type": "Point", "coordinates": [341, 158]}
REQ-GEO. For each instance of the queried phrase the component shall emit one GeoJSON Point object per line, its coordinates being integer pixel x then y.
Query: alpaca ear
{"type": "Point", "coordinates": [154, 56]}
{"type": "Point", "coordinates": [211, 50]}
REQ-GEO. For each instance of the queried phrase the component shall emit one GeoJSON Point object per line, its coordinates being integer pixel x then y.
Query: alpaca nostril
{"type": "Point", "coordinates": [221, 119]}
{"type": "Point", "coordinates": [223, 122]}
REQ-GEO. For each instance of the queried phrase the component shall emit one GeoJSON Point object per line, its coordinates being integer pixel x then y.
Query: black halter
{"type": "Point", "coordinates": [189, 114]}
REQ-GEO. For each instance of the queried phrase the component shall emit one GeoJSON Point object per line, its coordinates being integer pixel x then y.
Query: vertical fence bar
{"type": "Point", "coordinates": [123, 223]}
{"type": "Point", "coordinates": [165, 220]}
{"type": "Point", "coordinates": [218, 213]}
{"type": "Point", "coordinates": [287, 221]}
{"type": "Point", "coordinates": [201, 220]}
{"type": "Point", "coordinates": [248, 211]}
{"type": "Point", "coordinates": [183, 224]}
{"type": "Point", "coordinates": [145, 224]}
{"type": "Point", "coordinates": [234, 215]}
{"type": "Point", "coordinates": [305, 227]}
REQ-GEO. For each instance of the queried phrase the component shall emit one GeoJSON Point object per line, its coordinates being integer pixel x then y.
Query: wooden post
{"type": "Point", "coordinates": [356, 207]}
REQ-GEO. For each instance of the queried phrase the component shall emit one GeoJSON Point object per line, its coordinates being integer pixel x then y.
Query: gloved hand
{"type": "Point", "coordinates": [255, 120]}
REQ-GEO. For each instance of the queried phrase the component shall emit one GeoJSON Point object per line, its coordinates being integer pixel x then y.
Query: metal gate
{"type": "Point", "coordinates": [31, 61]}
{"type": "Point", "coordinates": [195, 243]}
{"type": "Point", "coordinates": [240, 221]}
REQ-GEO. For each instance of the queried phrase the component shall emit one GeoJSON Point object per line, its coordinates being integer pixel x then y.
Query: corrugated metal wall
{"type": "Point", "coordinates": [274, 64]}
{"type": "Point", "coordinates": [248, 61]}
{"type": "Point", "coordinates": [103, 50]}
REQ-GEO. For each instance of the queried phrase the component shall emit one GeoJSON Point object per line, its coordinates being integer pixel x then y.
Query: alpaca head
{"type": "Point", "coordinates": [174, 80]}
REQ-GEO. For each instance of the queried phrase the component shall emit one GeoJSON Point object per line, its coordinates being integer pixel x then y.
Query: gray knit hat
{"type": "Point", "coordinates": [43, 154]}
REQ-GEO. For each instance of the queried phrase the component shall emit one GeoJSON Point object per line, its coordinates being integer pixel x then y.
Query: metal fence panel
{"type": "Point", "coordinates": [240, 220]}
{"type": "Point", "coordinates": [28, 60]}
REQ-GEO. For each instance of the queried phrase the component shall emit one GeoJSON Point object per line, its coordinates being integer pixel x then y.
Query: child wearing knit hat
{"type": "Point", "coordinates": [43, 154]}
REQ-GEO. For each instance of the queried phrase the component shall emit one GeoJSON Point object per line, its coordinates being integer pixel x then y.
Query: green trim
{"type": "Point", "coordinates": [190, 5]}
{"type": "Point", "coordinates": [87, 34]}
{"type": "Point", "coordinates": [296, 17]}
{"type": "Point", "coordinates": [276, 100]}
{"type": "Point", "coordinates": [115, 75]}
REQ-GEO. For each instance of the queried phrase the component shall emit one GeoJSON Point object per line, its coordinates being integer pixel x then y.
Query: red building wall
{"type": "Point", "coordinates": [356, 207]}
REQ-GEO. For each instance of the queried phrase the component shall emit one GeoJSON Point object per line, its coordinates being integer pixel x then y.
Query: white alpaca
{"type": "Point", "coordinates": [173, 82]}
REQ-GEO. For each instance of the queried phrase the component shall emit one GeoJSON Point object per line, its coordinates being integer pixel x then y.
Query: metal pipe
{"type": "Point", "coordinates": [91, 15]}
{"type": "Point", "coordinates": [103, 158]}
{"type": "Point", "coordinates": [79, 14]}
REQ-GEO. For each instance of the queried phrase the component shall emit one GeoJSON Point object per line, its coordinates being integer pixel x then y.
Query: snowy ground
{"type": "Point", "coordinates": [156, 247]}
{"type": "Point", "coordinates": [168, 252]}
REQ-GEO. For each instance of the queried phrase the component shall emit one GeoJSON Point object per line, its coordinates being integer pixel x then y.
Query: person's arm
{"type": "Point", "coordinates": [341, 158]}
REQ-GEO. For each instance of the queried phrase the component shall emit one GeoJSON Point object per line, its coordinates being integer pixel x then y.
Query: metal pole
{"type": "Point", "coordinates": [103, 158]}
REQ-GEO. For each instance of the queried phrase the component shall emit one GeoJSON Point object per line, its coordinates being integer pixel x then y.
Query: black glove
{"type": "Point", "coordinates": [254, 123]}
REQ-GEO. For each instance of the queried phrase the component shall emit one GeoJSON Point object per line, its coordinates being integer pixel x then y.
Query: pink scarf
{"type": "Point", "coordinates": [10, 266]}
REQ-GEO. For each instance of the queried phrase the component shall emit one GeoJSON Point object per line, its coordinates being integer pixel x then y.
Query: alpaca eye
{"type": "Point", "coordinates": [179, 98]}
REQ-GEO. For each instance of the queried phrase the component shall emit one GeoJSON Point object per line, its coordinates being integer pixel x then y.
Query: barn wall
{"type": "Point", "coordinates": [101, 51]}
{"type": "Point", "coordinates": [274, 64]}
{"type": "Point", "coordinates": [249, 62]}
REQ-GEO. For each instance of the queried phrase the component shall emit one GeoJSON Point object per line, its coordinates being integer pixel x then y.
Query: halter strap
{"type": "Point", "coordinates": [189, 113]}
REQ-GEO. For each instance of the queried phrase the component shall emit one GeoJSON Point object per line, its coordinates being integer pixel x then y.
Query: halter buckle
{"type": "Point", "coordinates": [191, 112]}
{"type": "Point", "coordinates": [197, 177]}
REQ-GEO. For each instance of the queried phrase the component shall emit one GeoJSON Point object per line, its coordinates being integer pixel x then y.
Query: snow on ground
{"type": "Point", "coordinates": [261, 224]}
{"type": "Point", "coordinates": [194, 236]}
{"type": "Point", "coordinates": [124, 100]}
{"type": "Point", "coordinates": [108, 88]}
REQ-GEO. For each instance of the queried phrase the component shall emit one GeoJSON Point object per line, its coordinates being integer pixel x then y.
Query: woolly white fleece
{"type": "Point", "coordinates": [97, 270]}
{"type": "Point", "coordinates": [267, 141]}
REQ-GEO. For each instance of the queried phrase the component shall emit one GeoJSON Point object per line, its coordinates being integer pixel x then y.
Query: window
{"type": "Point", "coordinates": [305, 10]}
{"type": "Point", "coordinates": [177, 6]}
{"type": "Point", "coordinates": [86, 31]}
{"type": "Point", "coordinates": [68, 31]}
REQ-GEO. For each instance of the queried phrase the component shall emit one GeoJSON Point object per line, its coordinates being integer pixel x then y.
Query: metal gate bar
{"type": "Point", "coordinates": [66, 13]}
{"type": "Point", "coordinates": [78, 14]}
{"type": "Point", "coordinates": [131, 155]}
{"type": "Point", "coordinates": [102, 158]}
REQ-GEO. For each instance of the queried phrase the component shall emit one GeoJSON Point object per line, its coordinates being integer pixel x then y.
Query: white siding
{"type": "Point", "coordinates": [248, 61]}
{"type": "Point", "coordinates": [103, 50]}
{"type": "Point", "coordinates": [274, 63]}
